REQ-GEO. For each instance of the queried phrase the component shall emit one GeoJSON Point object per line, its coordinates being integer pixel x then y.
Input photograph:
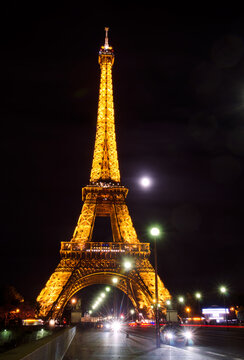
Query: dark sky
{"type": "Point", "coordinates": [178, 90]}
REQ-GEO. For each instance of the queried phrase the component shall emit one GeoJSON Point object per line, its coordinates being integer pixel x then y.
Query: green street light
{"type": "Point", "coordinates": [155, 232]}
{"type": "Point", "coordinates": [181, 299]}
{"type": "Point", "coordinates": [223, 289]}
{"type": "Point", "coordinates": [107, 289]}
{"type": "Point", "coordinates": [127, 266]}
{"type": "Point", "coordinates": [198, 295]}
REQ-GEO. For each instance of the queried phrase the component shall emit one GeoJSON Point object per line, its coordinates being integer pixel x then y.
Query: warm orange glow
{"type": "Point", "coordinates": [232, 308]}
{"type": "Point", "coordinates": [29, 322]}
{"type": "Point", "coordinates": [103, 197]}
{"type": "Point", "coordinates": [73, 301]}
{"type": "Point", "coordinates": [197, 319]}
{"type": "Point", "coordinates": [105, 165]}
{"type": "Point", "coordinates": [188, 309]}
{"type": "Point", "coordinates": [17, 310]}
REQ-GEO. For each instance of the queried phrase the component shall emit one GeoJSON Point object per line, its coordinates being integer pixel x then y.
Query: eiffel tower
{"type": "Point", "coordinates": [85, 262]}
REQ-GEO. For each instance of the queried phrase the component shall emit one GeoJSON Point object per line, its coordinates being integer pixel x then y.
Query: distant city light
{"type": "Point", "coordinates": [181, 299]}
{"type": "Point", "coordinates": [115, 280]}
{"type": "Point", "coordinates": [168, 302]}
{"type": "Point", "coordinates": [107, 288]}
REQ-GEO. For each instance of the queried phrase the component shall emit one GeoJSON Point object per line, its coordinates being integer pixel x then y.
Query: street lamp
{"type": "Point", "coordinates": [168, 303]}
{"type": "Point", "coordinates": [73, 302]}
{"type": "Point", "coordinates": [223, 291]}
{"type": "Point", "coordinates": [115, 281]}
{"type": "Point", "coordinates": [181, 299]}
{"type": "Point", "coordinates": [127, 266]}
{"type": "Point", "coordinates": [188, 310]}
{"type": "Point", "coordinates": [155, 233]}
{"type": "Point", "coordinates": [132, 313]}
{"type": "Point", "coordinates": [198, 296]}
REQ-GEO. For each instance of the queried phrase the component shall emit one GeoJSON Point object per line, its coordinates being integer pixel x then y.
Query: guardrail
{"type": "Point", "coordinates": [54, 349]}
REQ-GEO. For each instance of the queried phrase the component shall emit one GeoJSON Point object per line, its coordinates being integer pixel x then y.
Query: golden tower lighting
{"type": "Point", "coordinates": [83, 261]}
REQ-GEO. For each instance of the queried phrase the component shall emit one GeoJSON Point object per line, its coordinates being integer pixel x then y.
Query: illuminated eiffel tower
{"type": "Point", "coordinates": [84, 262]}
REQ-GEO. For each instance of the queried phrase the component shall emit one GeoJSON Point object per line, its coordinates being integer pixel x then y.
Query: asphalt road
{"type": "Point", "coordinates": [94, 344]}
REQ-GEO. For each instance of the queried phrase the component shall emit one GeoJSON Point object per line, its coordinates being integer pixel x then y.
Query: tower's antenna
{"type": "Point", "coordinates": [106, 46]}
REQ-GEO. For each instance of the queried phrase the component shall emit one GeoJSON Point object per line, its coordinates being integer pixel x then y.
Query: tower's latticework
{"type": "Point", "coordinates": [84, 262]}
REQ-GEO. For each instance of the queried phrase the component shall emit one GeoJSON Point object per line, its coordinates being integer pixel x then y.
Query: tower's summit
{"type": "Point", "coordinates": [105, 166]}
{"type": "Point", "coordinates": [106, 46]}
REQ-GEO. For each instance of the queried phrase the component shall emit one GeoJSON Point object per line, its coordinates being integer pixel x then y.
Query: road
{"type": "Point", "coordinates": [95, 344]}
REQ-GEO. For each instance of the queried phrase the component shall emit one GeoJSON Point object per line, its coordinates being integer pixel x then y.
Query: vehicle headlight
{"type": "Point", "coordinates": [188, 335]}
{"type": "Point", "coordinates": [169, 335]}
{"type": "Point", "coordinates": [116, 326]}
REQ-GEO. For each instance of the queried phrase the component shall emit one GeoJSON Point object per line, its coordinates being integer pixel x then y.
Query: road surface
{"type": "Point", "coordinates": [209, 344]}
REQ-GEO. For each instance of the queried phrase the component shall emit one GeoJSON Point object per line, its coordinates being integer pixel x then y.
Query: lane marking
{"type": "Point", "coordinates": [214, 353]}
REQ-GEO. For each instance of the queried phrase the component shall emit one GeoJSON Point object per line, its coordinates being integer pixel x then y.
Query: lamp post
{"type": "Point", "coordinates": [115, 281]}
{"type": "Point", "coordinates": [168, 303]}
{"type": "Point", "coordinates": [223, 291]}
{"type": "Point", "coordinates": [155, 232]}
{"type": "Point", "coordinates": [132, 313]}
{"type": "Point", "coordinates": [127, 267]}
{"type": "Point", "coordinates": [198, 296]}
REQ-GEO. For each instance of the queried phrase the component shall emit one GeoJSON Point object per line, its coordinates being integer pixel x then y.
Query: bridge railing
{"type": "Point", "coordinates": [102, 247]}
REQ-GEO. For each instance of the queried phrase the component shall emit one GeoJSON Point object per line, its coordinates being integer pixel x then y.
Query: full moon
{"type": "Point", "coordinates": [145, 182]}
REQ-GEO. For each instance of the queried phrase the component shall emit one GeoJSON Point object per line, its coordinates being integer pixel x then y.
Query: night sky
{"type": "Point", "coordinates": [178, 81]}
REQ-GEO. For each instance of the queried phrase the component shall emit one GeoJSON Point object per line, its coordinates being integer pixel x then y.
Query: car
{"type": "Point", "coordinates": [175, 334]}
{"type": "Point", "coordinates": [107, 326]}
{"type": "Point", "coordinates": [99, 325]}
{"type": "Point", "coordinates": [114, 326]}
